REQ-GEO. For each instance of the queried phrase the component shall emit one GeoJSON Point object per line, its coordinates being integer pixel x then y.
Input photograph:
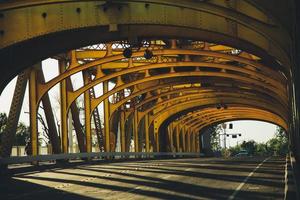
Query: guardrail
{"type": "Point", "coordinates": [98, 155]}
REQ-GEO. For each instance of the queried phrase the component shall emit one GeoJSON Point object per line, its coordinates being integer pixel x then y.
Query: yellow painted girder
{"type": "Point", "coordinates": [169, 111]}
{"type": "Point", "coordinates": [200, 120]}
{"type": "Point", "coordinates": [202, 16]}
{"type": "Point", "coordinates": [97, 101]}
{"type": "Point", "coordinates": [45, 87]}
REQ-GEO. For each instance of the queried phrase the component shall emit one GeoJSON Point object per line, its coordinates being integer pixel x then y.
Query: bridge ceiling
{"type": "Point", "coordinates": [45, 28]}
{"type": "Point", "coordinates": [181, 77]}
{"type": "Point", "coordinates": [209, 62]}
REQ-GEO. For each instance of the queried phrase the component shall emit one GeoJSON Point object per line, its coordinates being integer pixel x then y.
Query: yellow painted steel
{"type": "Point", "coordinates": [87, 113]}
{"type": "Point", "coordinates": [63, 108]}
{"type": "Point", "coordinates": [240, 23]}
{"type": "Point", "coordinates": [253, 88]}
{"type": "Point", "coordinates": [106, 118]}
{"type": "Point", "coordinates": [177, 138]}
{"type": "Point", "coordinates": [135, 131]}
{"type": "Point", "coordinates": [147, 145]}
{"type": "Point", "coordinates": [180, 85]}
{"type": "Point", "coordinates": [33, 109]}
{"type": "Point", "coordinates": [122, 131]}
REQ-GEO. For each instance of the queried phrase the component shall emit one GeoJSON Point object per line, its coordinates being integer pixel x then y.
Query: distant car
{"type": "Point", "coordinates": [242, 153]}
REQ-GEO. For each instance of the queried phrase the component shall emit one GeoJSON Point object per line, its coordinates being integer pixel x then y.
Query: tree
{"type": "Point", "coordinates": [215, 138]}
{"type": "Point", "coordinates": [234, 150]}
{"type": "Point", "coordinates": [250, 146]}
{"type": "Point", "coordinates": [261, 149]}
{"type": "Point", "coordinates": [279, 144]}
{"type": "Point", "coordinates": [22, 135]}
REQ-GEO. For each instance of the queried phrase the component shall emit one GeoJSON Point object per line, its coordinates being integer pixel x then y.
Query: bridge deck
{"type": "Point", "coordinates": [197, 178]}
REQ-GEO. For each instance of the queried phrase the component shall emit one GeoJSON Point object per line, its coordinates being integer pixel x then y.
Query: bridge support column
{"type": "Point", "coordinates": [135, 131]}
{"type": "Point", "coordinates": [198, 143]}
{"type": "Point", "coordinates": [170, 131]}
{"type": "Point", "coordinates": [33, 107]}
{"type": "Point", "coordinates": [188, 140]}
{"type": "Point", "coordinates": [87, 112]}
{"type": "Point", "coordinates": [63, 108]}
{"type": "Point", "coordinates": [177, 132]}
{"type": "Point", "coordinates": [192, 142]}
{"type": "Point", "coordinates": [14, 115]}
{"type": "Point", "coordinates": [122, 131]}
{"type": "Point", "coordinates": [147, 133]}
{"type": "Point", "coordinates": [106, 118]}
{"type": "Point", "coordinates": [183, 139]}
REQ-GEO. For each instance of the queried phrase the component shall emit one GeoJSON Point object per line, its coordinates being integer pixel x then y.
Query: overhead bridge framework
{"type": "Point", "coordinates": [211, 62]}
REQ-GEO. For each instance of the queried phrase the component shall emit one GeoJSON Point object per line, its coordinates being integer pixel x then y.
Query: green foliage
{"type": "Point", "coordinates": [261, 149]}
{"type": "Point", "coordinates": [234, 150]}
{"type": "Point", "coordinates": [279, 144]}
{"type": "Point", "coordinates": [214, 140]}
{"type": "Point", "coordinates": [249, 146]}
{"type": "Point", "coordinates": [22, 134]}
{"type": "Point", "coordinates": [275, 146]}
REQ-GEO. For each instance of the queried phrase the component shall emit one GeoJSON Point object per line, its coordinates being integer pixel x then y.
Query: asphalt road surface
{"type": "Point", "coordinates": [197, 178]}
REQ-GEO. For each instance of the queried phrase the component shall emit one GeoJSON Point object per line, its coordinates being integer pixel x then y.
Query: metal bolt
{"type": "Point", "coordinates": [44, 15]}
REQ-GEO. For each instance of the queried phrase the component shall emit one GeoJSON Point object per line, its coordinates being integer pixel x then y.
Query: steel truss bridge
{"type": "Point", "coordinates": [210, 62]}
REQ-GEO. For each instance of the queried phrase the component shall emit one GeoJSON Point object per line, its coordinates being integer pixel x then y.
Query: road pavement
{"type": "Point", "coordinates": [190, 178]}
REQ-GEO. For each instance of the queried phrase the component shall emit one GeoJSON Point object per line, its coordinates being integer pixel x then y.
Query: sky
{"type": "Point", "coordinates": [250, 130]}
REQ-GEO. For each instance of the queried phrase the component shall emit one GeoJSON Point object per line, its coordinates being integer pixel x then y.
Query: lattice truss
{"type": "Point", "coordinates": [164, 102]}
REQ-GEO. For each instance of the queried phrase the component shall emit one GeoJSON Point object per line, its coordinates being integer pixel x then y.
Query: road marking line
{"type": "Point", "coordinates": [232, 196]}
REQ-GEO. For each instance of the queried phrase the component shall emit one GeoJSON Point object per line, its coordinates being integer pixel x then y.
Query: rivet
{"type": "Point", "coordinates": [78, 10]}
{"type": "Point", "coordinates": [44, 15]}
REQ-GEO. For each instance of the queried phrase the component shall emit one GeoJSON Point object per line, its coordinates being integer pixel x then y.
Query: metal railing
{"type": "Point", "coordinates": [94, 155]}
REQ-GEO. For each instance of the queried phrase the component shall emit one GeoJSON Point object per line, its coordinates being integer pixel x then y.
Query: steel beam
{"type": "Point", "coordinates": [87, 112]}
{"type": "Point", "coordinates": [33, 109]}
{"type": "Point", "coordinates": [63, 108]}
{"type": "Point", "coordinates": [14, 115]}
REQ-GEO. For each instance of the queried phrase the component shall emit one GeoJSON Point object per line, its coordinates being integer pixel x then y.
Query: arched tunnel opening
{"type": "Point", "coordinates": [105, 80]}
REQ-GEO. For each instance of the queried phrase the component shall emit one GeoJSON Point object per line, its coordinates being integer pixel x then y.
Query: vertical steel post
{"type": "Point", "coordinates": [122, 131]}
{"type": "Point", "coordinates": [106, 118]}
{"type": "Point", "coordinates": [193, 142]}
{"type": "Point", "coordinates": [147, 133]}
{"type": "Point", "coordinates": [87, 112]}
{"type": "Point", "coordinates": [33, 110]}
{"type": "Point", "coordinates": [63, 108]}
{"type": "Point", "coordinates": [188, 135]}
{"type": "Point", "coordinates": [171, 136]}
{"type": "Point", "coordinates": [135, 131]}
{"type": "Point", "coordinates": [183, 139]}
{"type": "Point", "coordinates": [177, 138]}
